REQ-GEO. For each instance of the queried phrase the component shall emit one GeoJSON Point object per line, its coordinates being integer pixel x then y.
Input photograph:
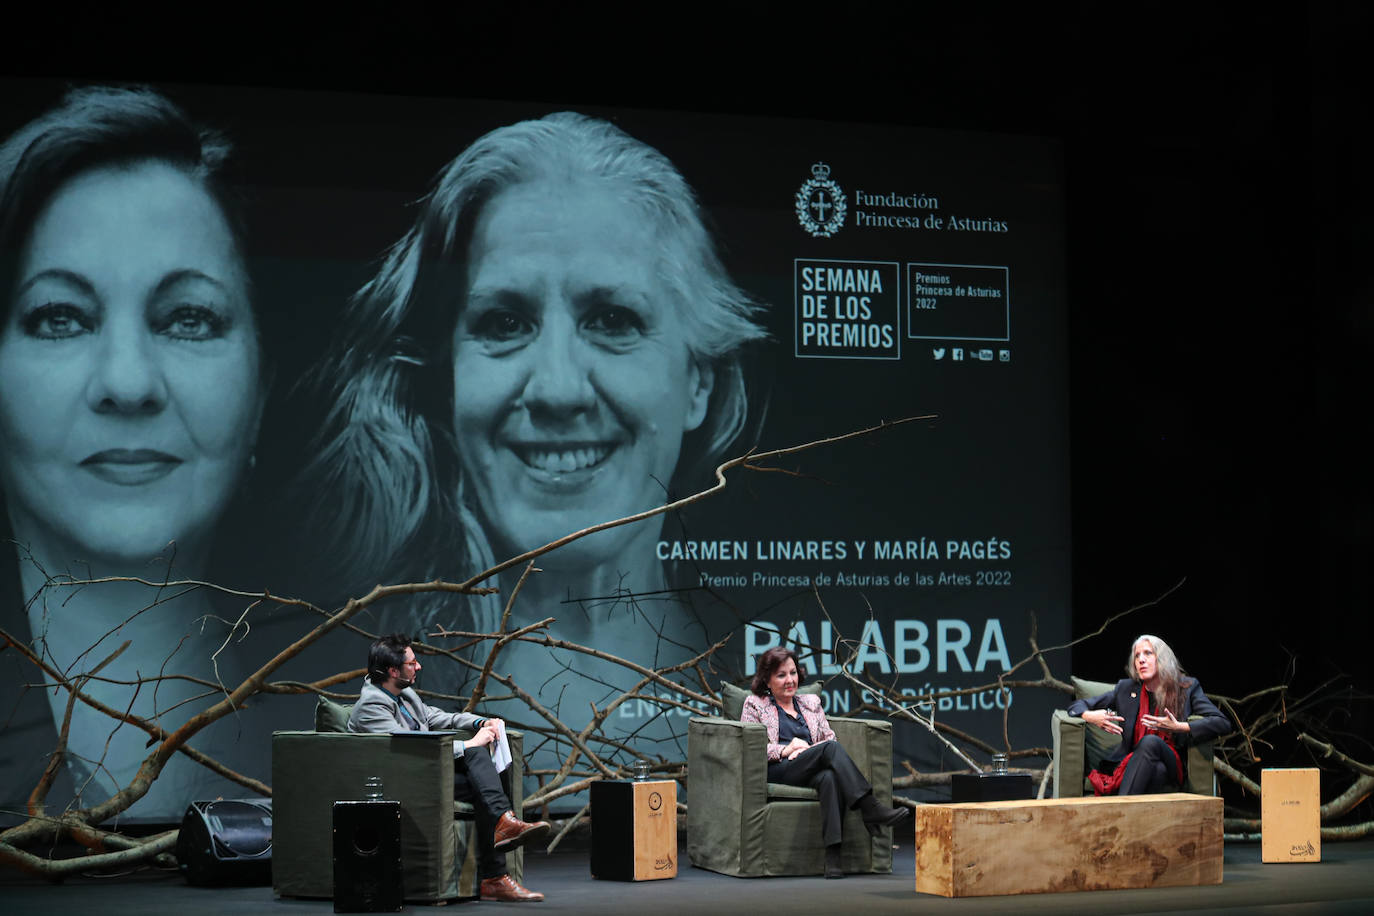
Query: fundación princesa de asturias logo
{"type": "Point", "coordinates": [821, 204]}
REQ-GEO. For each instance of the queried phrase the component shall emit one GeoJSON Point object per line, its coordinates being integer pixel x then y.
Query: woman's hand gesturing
{"type": "Point", "coordinates": [1105, 719]}
{"type": "Point", "coordinates": [1165, 723]}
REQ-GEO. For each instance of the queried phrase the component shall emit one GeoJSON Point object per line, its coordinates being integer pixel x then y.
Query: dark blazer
{"type": "Point", "coordinates": [1125, 699]}
{"type": "Point", "coordinates": [761, 710]}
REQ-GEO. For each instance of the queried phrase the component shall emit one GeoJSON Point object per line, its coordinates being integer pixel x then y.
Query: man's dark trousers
{"type": "Point", "coordinates": [476, 781]}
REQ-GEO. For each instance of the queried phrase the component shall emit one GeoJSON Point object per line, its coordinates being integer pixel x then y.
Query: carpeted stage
{"type": "Point", "coordinates": [1342, 883]}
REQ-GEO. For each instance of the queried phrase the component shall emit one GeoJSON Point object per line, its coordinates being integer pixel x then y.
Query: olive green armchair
{"type": "Point", "coordinates": [740, 824]}
{"type": "Point", "coordinates": [313, 769]}
{"type": "Point", "coordinates": [1078, 750]}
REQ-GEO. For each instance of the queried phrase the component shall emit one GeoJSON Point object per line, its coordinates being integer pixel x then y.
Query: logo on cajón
{"type": "Point", "coordinates": [821, 204]}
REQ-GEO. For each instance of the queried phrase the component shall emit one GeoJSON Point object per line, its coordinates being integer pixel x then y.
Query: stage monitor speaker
{"type": "Point", "coordinates": [226, 841]}
{"type": "Point", "coordinates": [367, 857]}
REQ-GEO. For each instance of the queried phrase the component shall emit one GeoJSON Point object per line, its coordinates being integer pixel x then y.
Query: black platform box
{"type": "Point", "coordinates": [981, 787]}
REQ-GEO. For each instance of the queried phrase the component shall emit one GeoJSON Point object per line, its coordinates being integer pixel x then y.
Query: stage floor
{"type": "Point", "coordinates": [1342, 883]}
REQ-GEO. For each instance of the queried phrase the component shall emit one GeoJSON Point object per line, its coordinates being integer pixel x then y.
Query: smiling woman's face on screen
{"type": "Point", "coordinates": [572, 380]}
{"type": "Point", "coordinates": [129, 367]}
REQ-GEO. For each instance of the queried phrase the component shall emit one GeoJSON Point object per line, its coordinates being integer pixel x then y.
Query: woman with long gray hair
{"type": "Point", "coordinates": [1152, 711]}
{"type": "Point", "coordinates": [554, 344]}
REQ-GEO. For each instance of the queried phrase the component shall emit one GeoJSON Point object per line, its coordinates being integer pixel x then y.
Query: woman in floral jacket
{"type": "Point", "coordinates": [802, 751]}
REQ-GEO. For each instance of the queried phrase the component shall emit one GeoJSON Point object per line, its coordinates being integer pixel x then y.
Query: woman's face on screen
{"type": "Point", "coordinates": [572, 380]}
{"type": "Point", "coordinates": [129, 367]}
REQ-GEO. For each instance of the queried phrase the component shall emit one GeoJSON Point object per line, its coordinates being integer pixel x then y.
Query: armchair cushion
{"type": "Point", "coordinates": [331, 716]}
{"type": "Point", "coordinates": [1097, 744]}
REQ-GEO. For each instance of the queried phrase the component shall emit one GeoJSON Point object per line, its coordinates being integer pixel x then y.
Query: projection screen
{"type": "Point", "coordinates": [400, 339]}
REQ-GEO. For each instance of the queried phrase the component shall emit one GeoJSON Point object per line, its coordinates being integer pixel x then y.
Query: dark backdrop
{"type": "Point", "coordinates": [1218, 191]}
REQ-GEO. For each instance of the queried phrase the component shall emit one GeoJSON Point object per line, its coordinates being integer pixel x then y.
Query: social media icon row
{"type": "Point", "coordinates": [985, 354]}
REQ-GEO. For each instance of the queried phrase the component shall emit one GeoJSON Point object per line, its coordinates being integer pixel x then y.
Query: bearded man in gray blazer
{"type": "Point", "coordinates": [390, 704]}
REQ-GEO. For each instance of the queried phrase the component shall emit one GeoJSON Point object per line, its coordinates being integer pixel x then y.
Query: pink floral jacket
{"type": "Point", "coordinates": [761, 710]}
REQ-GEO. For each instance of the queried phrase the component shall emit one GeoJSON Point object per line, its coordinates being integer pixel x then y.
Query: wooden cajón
{"type": "Point", "coordinates": [634, 829]}
{"type": "Point", "coordinates": [1290, 815]}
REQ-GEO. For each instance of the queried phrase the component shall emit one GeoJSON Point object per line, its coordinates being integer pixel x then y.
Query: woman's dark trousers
{"type": "Point", "coordinates": [827, 768]}
{"type": "Point", "coordinates": [1150, 769]}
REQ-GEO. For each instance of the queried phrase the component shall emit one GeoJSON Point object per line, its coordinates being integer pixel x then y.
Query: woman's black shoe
{"type": "Point", "coordinates": [877, 816]}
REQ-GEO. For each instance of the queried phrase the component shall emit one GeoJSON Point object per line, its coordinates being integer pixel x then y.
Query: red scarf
{"type": "Point", "coordinates": [1104, 784]}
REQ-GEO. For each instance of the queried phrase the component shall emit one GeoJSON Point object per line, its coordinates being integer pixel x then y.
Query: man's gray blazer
{"type": "Point", "coordinates": [377, 710]}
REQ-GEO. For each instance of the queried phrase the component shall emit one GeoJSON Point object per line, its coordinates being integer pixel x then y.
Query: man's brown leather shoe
{"type": "Point", "coordinates": [505, 888]}
{"type": "Point", "coordinates": [512, 832]}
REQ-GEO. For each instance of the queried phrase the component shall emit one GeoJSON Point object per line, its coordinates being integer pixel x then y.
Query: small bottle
{"type": "Point", "coordinates": [999, 764]}
{"type": "Point", "coordinates": [372, 788]}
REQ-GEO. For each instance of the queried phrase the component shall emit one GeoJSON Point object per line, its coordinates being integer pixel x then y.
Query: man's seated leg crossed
{"type": "Point", "coordinates": [390, 704]}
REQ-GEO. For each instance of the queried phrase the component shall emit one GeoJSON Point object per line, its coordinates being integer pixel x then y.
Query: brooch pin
{"type": "Point", "coordinates": [1132, 696]}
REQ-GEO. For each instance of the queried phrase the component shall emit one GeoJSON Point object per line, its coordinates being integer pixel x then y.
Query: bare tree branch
{"type": "Point", "coordinates": [587, 753]}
